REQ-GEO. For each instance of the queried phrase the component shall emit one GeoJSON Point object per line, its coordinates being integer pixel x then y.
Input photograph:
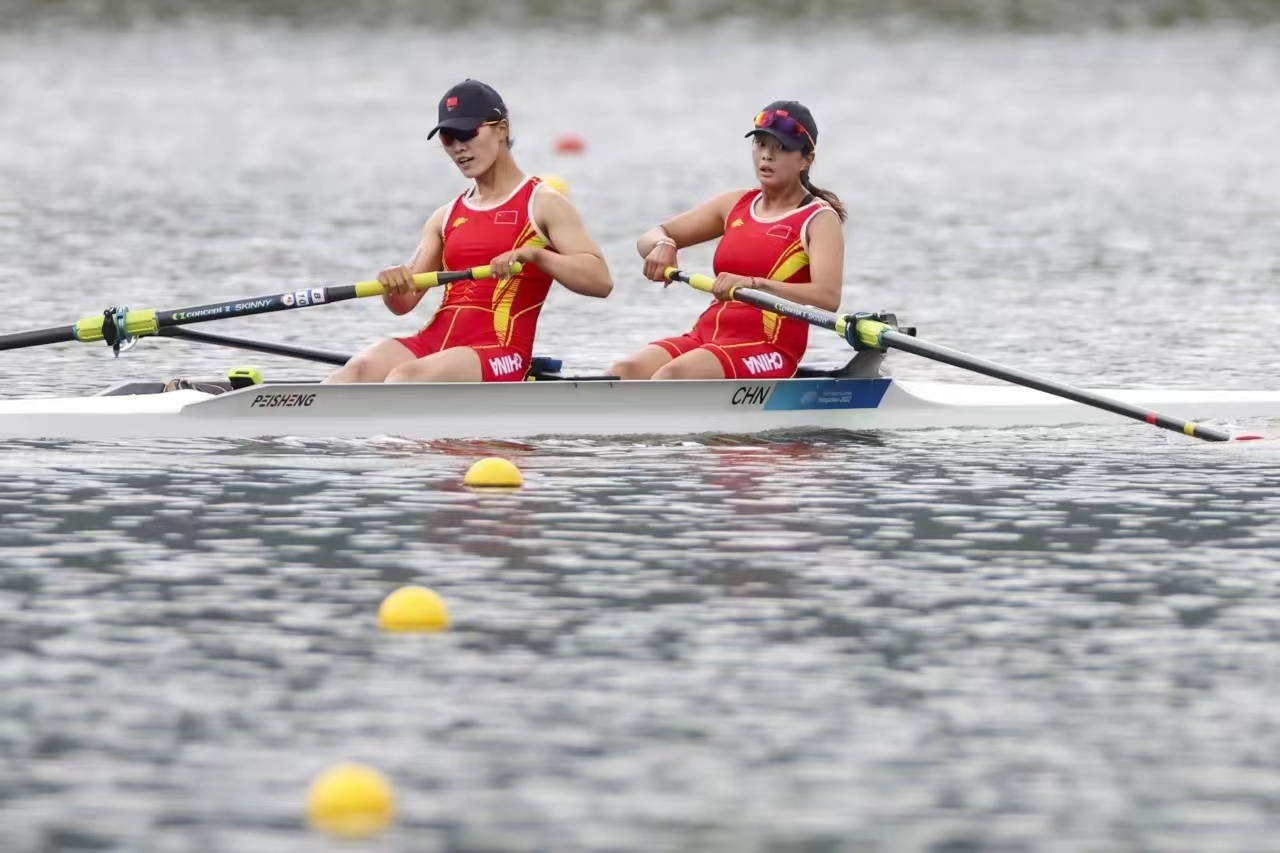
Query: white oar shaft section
{"type": "Point", "coordinates": [869, 333]}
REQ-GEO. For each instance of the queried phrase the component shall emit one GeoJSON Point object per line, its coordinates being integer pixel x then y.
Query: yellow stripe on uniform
{"type": "Point", "coordinates": [771, 325]}
{"type": "Point", "coordinates": [504, 293]}
{"type": "Point", "coordinates": [792, 260]}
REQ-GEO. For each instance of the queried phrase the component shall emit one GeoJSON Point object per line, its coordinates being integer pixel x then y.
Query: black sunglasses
{"type": "Point", "coordinates": [448, 137]}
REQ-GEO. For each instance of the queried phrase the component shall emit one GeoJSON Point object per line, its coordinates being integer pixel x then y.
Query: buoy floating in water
{"type": "Point", "coordinates": [351, 801]}
{"type": "Point", "coordinates": [556, 183]}
{"type": "Point", "coordinates": [413, 608]}
{"type": "Point", "coordinates": [494, 472]}
{"type": "Point", "coordinates": [570, 143]}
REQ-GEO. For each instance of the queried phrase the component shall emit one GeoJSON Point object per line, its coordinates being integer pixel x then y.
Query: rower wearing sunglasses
{"type": "Point", "coordinates": [483, 329]}
{"type": "Point", "coordinates": [783, 237]}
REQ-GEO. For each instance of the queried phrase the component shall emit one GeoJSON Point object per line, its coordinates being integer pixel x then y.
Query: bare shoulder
{"type": "Point", "coordinates": [825, 220]}
{"type": "Point", "coordinates": [725, 201]}
{"type": "Point", "coordinates": [548, 196]}
{"type": "Point", "coordinates": [435, 222]}
{"type": "Point", "coordinates": [550, 205]}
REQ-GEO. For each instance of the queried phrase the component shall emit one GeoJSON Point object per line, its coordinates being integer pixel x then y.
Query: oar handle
{"type": "Point", "coordinates": [862, 331]}
{"type": "Point", "coordinates": [697, 281]}
{"type": "Point", "coordinates": [426, 280]}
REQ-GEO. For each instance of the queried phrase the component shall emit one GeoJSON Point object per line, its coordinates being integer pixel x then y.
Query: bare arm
{"type": "Point", "coordinates": [705, 222]}
{"type": "Point", "coordinates": [429, 257]}
{"type": "Point", "coordinates": [826, 267]}
{"type": "Point", "coordinates": [575, 261]}
{"type": "Point", "coordinates": [702, 223]}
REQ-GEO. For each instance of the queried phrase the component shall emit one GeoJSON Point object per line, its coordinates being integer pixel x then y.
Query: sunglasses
{"type": "Point", "coordinates": [779, 120]}
{"type": "Point", "coordinates": [448, 137]}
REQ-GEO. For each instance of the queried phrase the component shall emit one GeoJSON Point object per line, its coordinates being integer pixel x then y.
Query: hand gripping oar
{"type": "Point", "coordinates": [865, 331]}
{"type": "Point", "coordinates": [117, 326]}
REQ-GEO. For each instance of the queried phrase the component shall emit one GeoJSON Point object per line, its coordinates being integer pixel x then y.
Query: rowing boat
{"type": "Point", "coordinates": [851, 398]}
{"type": "Point", "coordinates": [580, 407]}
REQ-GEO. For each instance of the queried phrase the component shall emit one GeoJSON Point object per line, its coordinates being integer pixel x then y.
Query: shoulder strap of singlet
{"type": "Point", "coordinates": [743, 203]}
{"type": "Point", "coordinates": [448, 217]}
{"type": "Point", "coordinates": [536, 183]}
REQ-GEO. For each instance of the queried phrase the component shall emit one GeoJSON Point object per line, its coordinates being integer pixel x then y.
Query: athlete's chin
{"type": "Point", "coordinates": [773, 181]}
{"type": "Point", "coordinates": [471, 168]}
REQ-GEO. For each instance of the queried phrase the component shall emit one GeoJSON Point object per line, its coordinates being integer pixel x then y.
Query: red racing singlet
{"type": "Point", "coordinates": [776, 249]}
{"type": "Point", "coordinates": [500, 317]}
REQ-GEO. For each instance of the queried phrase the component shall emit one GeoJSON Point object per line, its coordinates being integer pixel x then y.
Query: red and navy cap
{"type": "Point", "coordinates": [791, 135]}
{"type": "Point", "coordinates": [467, 106]}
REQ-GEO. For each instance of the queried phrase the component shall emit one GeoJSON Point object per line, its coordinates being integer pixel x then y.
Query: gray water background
{"type": "Point", "coordinates": [1056, 640]}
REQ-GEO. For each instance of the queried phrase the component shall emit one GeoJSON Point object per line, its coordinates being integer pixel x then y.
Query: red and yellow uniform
{"type": "Point", "coordinates": [750, 343]}
{"type": "Point", "coordinates": [496, 318]}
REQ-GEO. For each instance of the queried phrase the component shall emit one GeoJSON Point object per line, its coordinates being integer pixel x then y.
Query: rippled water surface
{"type": "Point", "coordinates": [1022, 640]}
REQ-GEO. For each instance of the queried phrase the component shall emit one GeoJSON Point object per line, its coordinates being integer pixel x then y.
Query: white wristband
{"type": "Point", "coordinates": [666, 241]}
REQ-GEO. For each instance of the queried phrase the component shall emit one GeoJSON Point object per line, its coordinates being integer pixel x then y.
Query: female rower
{"type": "Point", "coordinates": [783, 237]}
{"type": "Point", "coordinates": [483, 330]}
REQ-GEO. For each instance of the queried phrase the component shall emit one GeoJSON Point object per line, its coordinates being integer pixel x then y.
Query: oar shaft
{"type": "Point", "coordinates": [149, 321]}
{"type": "Point", "coordinates": [269, 347]}
{"type": "Point", "coordinates": [767, 302]}
{"type": "Point", "coordinates": [868, 333]}
{"type": "Point", "coordinates": [38, 337]}
{"type": "Point", "coordinates": [897, 340]}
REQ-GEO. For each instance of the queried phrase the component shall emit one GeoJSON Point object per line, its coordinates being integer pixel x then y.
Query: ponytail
{"type": "Point", "coordinates": [826, 195]}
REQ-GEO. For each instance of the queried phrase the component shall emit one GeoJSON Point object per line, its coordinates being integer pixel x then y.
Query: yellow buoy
{"type": "Point", "coordinates": [413, 608]}
{"type": "Point", "coordinates": [351, 800]}
{"type": "Point", "coordinates": [494, 472]}
{"type": "Point", "coordinates": [556, 183]}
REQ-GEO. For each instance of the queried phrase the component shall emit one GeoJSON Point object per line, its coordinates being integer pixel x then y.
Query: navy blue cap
{"type": "Point", "coordinates": [467, 106]}
{"type": "Point", "coordinates": [797, 140]}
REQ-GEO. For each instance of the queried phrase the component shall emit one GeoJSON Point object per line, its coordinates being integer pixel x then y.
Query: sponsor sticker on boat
{"type": "Point", "coordinates": [803, 394]}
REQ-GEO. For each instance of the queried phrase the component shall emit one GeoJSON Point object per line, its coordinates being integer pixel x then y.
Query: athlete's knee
{"type": "Point", "coordinates": [358, 369]}
{"type": "Point", "coordinates": [698, 364]}
{"type": "Point", "coordinates": [630, 368]}
{"type": "Point", "coordinates": [673, 370]}
{"type": "Point", "coordinates": [412, 371]}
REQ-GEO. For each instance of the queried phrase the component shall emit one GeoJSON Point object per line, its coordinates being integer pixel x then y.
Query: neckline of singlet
{"type": "Point", "coordinates": [808, 199]}
{"type": "Point", "coordinates": [467, 195]}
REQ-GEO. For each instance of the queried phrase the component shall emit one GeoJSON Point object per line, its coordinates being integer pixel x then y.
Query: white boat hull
{"type": "Point", "coordinates": [569, 408]}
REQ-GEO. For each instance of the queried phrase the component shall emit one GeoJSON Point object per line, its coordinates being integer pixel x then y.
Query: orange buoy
{"type": "Point", "coordinates": [570, 143]}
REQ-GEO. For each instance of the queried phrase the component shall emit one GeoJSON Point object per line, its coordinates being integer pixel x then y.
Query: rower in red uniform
{"type": "Point", "coordinates": [783, 237]}
{"type": "Point", "coordinates": [483, 330]}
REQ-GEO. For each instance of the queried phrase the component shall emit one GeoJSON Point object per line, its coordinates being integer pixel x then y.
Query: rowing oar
{"type": "Point", "coordinates": [865, 331]}
{"type": "Point", "coordinates": [117, 326]}
{"type": "Point", "coordinates": [323, 356]}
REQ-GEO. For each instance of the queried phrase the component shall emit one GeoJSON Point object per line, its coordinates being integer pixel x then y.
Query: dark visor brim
{"type": "Point", "coordinates": [791, 143]}
{"type": "Point", "coordinates": [456, 124]}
